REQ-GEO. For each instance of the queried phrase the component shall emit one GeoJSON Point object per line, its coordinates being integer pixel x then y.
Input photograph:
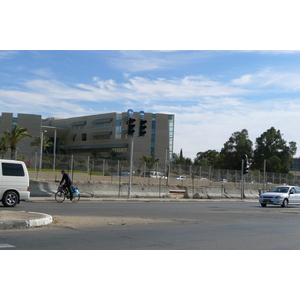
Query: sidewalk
{"type": "Point", "coordinates": [10, 219]}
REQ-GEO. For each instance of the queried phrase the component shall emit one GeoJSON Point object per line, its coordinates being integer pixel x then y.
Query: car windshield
{"type": "Point", "coordinates": [279, 189]}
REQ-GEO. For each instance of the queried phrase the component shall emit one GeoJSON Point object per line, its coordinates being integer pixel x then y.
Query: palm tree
{"type": "Point", "coordinates": [14, 137]}
{"type": "Point", "coordinates": [114, 155]}
{"type": "Point", "coordinates": [37, 142]}
{"type": "Point", "coordinates": [150, 161]}
{"type": "Point", "coordinates": [4, 146]}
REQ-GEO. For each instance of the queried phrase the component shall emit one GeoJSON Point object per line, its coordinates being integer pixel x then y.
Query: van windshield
{"type": "Point", "coordinates": [279, 189]}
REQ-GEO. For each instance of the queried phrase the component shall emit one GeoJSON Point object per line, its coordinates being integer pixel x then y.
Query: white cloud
{"type": "Point", "coordinates": [7, 54]}
{"type": "Point", "coordinates": [245, 79]}
{"type": "Point", "coordinates": [271, 79]}
{"type": "Point", "coordinates": [206, 111]}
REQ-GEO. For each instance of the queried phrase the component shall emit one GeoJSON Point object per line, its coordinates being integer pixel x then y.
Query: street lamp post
{"type": "Point", "coordinates": [41, 149]}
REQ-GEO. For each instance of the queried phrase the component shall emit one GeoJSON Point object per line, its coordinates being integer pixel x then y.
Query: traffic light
{"type": "Point", "coordinates": [246, 164]}
{"type": "Point", "coordinates": [131, 126]}
{"type": "Point", "coordinates": [142, 128]}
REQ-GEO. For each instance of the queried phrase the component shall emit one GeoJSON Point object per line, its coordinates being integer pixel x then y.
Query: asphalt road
{"type": "Point", "coordinates": [167, 226]}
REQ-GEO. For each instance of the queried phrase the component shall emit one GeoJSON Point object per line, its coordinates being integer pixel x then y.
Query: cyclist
{"type": "Point", "coordinates": [68, 182]}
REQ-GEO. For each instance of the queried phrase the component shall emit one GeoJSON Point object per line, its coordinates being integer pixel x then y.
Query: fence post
{"type": "Point", "coordinates": [72, 167]}
{"type": "Point", "coordinates": [54, 152]}
{"type": "Point", "coordinates": [88, 166]}
{"type": "Point", "coordinates": [35, 160]}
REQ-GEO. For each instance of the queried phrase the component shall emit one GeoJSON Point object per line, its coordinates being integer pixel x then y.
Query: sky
{"type": "Point", "coordinates": [219, 67]}
{"type": "Point", "coordinates": [212, 93]}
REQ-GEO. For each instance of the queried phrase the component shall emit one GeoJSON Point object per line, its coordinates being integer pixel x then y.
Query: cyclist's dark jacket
{"type": "Point", "coordinates": [66, 178]}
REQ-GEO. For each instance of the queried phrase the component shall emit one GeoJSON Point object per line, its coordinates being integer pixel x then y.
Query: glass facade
{"type": "Point", "coordinates": [15, 122]}
{"type": "Point", "coordinates": [153, 132]}
{"type": "Point", "coordinates": [118, 131]}
{"type": "Point", "coordinates": [171, 135]}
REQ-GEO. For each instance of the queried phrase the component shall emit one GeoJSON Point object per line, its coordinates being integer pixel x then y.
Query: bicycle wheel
{"type": "Point", "coordinates": [59, 197]}
{"type": "Point", "coordinates": [76, 198]}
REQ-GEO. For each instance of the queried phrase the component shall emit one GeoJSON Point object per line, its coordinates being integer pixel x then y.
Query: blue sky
{"type": "Point", "coordinates": [211, 93]}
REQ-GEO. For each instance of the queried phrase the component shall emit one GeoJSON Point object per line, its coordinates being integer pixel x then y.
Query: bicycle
{"type": "Point", "coordinates": [63, 193]}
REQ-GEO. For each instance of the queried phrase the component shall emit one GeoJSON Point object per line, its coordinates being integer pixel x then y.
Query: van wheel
{"type": "Point", "coordinates": [10, 199]}
{"type": "Point", "coordinates": [263, 204]}
{"type": "Point", "coordinates": [284, 203]}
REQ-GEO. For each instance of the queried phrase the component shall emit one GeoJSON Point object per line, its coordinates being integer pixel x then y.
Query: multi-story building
{"type": "Point", "coordinates": [101, 133]}
{"type": "Point", "coordinates": [296, 164]}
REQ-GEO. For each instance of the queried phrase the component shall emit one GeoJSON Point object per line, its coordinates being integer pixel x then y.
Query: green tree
{"type": "Point", "coordinates": [270, 146]}
{"type": "Point", "coordinates": [208, 158]}
{"type": "Point", "coordinates": [14, 137]}
{"type": "Point", "coordinates": [179, 159]}
{"type": "Point", "coordinates": [234, 149]}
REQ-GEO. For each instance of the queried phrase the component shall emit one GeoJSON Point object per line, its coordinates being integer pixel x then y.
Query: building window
{"type": "Point", "coordinates": [83, 138]}
{"type": "Point", "coordinates": [120, 149]}
{"type": "Point", "coordinates": [102, 137]}
{"type": "Point", "coordinates": [100, 125]}
{"type": "Point", "coordinates": [78, 127]}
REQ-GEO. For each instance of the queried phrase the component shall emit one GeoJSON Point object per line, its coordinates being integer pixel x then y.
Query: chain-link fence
{"type": "Point", "coordinates": [169, 174]}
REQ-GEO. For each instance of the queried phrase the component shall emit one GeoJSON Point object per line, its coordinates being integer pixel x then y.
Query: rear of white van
{"type": "Point", "coordinates": [14, 182]}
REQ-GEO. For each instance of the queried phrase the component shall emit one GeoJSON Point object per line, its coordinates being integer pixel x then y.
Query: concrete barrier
{"type": "Point", "coordinates": [233, 193]}
{"type": "Point", "coordinates": [251, 193]}
{"type": "Point", "coordinates": [215, 193]}
{"type": "Point", "coordinates": [196, 193]}
{"type": "Point", "coordinates": [106, 190]}
{"type": "Point", "coordinates": [98, 190]}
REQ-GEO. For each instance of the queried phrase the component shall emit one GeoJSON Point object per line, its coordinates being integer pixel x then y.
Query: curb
{"type": "Point", "coordinates": [31, 220]}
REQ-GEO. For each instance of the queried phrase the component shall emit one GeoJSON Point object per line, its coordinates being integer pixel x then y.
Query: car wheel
{"type": "Point", "coordinates": [263, 204]}
{"type": "Point", "coordinates": [10, 199]}
{"type": "Point", "coordinates": [284, 203]}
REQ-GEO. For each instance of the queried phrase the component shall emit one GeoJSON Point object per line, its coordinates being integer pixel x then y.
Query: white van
{"type": "Point", "coordinates": [14, 182]}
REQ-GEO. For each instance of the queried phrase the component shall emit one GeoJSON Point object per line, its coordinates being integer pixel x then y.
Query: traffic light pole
{"type": "Point", "coordinates": [130, 132]}
{"type": "Point", "coordinates": [130, 171]}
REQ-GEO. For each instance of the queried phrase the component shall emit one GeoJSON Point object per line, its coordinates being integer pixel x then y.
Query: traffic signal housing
{"type": "Point", "coordinates": [131, 125]}
{"type": "Point", "coordinates": [246, 164]}
{"type": "Point", "coordinates": [142, 128]}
